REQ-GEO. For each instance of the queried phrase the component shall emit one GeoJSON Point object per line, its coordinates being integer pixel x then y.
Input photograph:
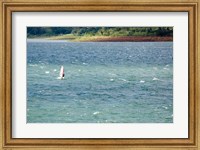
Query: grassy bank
{"type": "Point", "coordinates": [124, 39]}
{"type": "Point", "coordinates": [116, 38]}
{"type": "Point", "coordinates": [62, 37]}
{"type": "Point", "coordinates": [73, 38]}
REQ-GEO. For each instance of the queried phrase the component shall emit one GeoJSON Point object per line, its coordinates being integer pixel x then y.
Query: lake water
{"type": "Point", "coordinates": [105, 82]}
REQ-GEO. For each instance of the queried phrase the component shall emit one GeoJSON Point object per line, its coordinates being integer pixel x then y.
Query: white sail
{"type": "Point", "coordinates": [62, 72]}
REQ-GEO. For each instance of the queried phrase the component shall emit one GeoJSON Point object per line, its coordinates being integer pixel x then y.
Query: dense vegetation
{"type": "Point", "coordinates": [99, 31]}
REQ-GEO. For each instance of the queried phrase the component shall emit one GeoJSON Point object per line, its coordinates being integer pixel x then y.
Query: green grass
{"type": "Point", "coordinates": [74, 38]}
{"type": "Point", "coordinates": [61, 37]}
{"type": "Point", "coordinates": [89, 38]}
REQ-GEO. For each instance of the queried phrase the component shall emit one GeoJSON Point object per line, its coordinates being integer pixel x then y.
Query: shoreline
{"type": "Point", "coordinates": [129, 39]}
{"type": "Point", "coordinates": [110, 38]}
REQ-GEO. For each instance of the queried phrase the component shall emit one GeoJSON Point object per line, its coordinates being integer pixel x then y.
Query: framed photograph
{"type": "Point", "coordinates": [106, 75]}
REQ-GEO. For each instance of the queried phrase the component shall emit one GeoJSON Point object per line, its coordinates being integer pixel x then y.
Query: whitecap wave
{"type": "Point", "coordinates": [123, 79]}
{"type": "Point", "coordinates": [60, 78]}
{"type": "Point", "coordinates": [165, 107]}
{"type": "Point", "coordinates": [155, 79]}
{"type": "Point", "coordinates": [33, 65]}
{"type": "Point", "coordinates": [166, 68]}
{"type": "Point", "coordinates": [111, 79]}
{"type": "Point", "coordinates": [96, 113]}
{"type": "Point", "coordinates": [142, 81]}
{"type": "Point", "coordinates": [112, 74]}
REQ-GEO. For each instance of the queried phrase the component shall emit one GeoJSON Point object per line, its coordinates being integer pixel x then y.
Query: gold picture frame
{"type": "Point", "coordinates": [9, 6]}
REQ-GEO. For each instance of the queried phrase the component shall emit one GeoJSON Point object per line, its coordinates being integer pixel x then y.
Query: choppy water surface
{"type": "Point", "coordinates": [105, 82]}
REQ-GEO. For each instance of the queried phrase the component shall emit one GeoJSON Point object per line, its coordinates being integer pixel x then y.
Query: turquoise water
{"type": "Point", "coordinates": [105, 82]}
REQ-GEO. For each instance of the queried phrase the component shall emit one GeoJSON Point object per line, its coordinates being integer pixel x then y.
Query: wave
{"type": "Point", "coordinates": [111, 79]}
{"type": "Point", "coordinates": [155, 79]}
{"type": "Point", "coordinates": [165, 107]}
{"type": "Point", "coordinates": [96, 113]}
{"type": "Point", "coordinates": [33, 65]}
{"type": "Point", "coordinates": [166, 68]}
{"type": "Point", "coordinates": [142, 81]}
{"type": "Point", "coordinates": [123, 79]}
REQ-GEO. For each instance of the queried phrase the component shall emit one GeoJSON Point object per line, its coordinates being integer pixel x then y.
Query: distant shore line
{"type": "Point", "coordinates": [110, 38]}
{"type": "Point", "coordinates": [131, 39]}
